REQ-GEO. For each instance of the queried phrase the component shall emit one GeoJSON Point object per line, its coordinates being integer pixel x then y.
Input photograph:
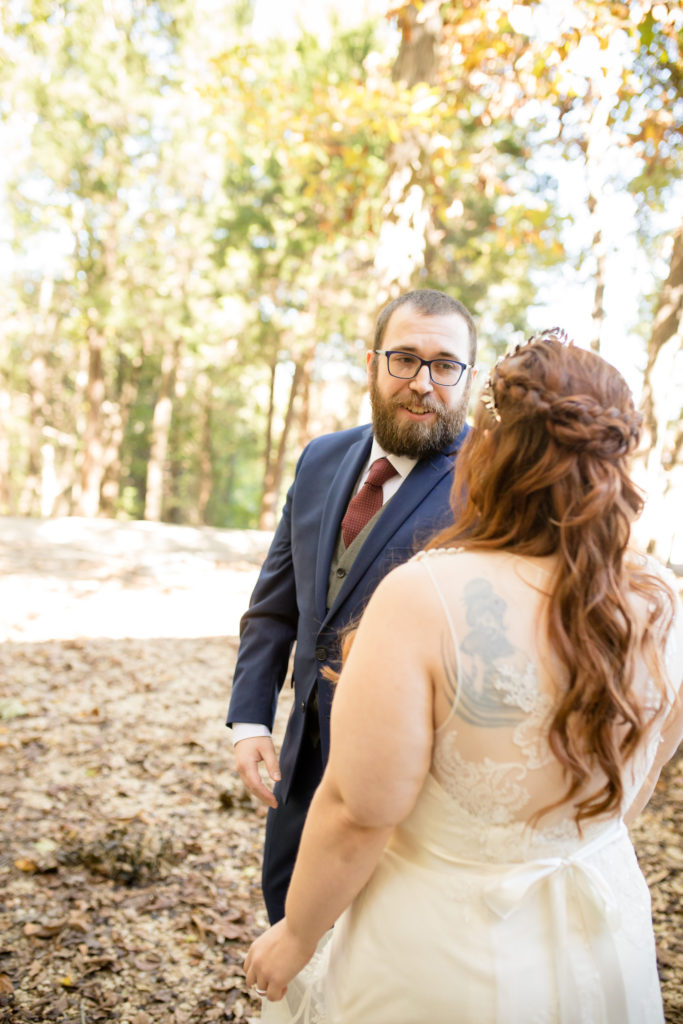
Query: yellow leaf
{"type": "Point", "coordinates": [26, 864]}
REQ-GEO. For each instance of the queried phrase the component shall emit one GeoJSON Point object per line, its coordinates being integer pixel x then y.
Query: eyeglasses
{"type": "Point", "coordinates": [405, 366]}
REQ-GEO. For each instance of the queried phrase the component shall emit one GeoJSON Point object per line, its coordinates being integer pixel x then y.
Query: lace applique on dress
{"type": "Point", "coordinates": [531, 735]}
{"type": "Point", "coordinates": [495, 791]}
{"type": "Point", "coordinates": [518, 688]}
{"type": "Point", "coordinates": [487, 790]}
{"type": "Point", "coordinates": [499, 692]}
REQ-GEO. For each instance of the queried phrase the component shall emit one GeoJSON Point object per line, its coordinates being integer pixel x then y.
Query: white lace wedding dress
{"type": "Point", "coordinates": [473, 915]}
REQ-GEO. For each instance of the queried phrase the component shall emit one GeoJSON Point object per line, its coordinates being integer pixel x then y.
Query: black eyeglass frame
{"type": "Point", "coordinates": [423, 362]}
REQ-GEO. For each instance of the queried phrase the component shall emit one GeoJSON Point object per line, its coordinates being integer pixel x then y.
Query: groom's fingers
{"type": "Point", "coordinates": [248, 756]}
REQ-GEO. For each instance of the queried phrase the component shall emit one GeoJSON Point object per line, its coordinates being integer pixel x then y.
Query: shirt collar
{"type": "Point", "coordinates": [401, 463]}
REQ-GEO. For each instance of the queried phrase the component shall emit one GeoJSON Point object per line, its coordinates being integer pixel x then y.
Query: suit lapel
{"type": "Point", "coordinates": [420, 482]}
{"type": "Point", "coordinates": [333, 512]}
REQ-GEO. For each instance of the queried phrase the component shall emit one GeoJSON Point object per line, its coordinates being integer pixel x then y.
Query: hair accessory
{"type": "Point", "coordinates": [487, 395]}
{"type": "Point", "coordinates": [554, 333]}
{"type": "Point", "coordinates": [488, 401]}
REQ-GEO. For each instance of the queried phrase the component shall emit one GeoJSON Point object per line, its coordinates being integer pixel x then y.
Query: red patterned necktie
{"type": "Point", "coordinates": [363, 506]}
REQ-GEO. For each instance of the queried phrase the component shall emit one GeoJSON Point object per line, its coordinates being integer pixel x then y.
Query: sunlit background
{"type": "Point", "coordinates": [205, 203]}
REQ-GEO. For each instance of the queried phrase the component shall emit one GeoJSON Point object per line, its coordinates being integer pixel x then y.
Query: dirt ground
{"type": "Point", "coordinates": [129, 855]}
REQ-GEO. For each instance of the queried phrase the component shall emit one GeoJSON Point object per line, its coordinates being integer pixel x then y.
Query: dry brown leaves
{"type": "Point", "coordinates": [130, 857]}
{"type": "Point", "coordinates": [129, 853]}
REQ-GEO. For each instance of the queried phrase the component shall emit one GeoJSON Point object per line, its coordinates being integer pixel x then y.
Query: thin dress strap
{"type": "Point", "coordinates": [423, 557]}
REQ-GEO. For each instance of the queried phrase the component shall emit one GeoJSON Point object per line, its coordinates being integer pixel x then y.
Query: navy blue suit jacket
{"type": "Point", "coordinates": [288, 604]}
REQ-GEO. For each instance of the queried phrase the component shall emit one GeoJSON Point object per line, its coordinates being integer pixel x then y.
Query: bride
{"type": "Point", "coordinates": [504, 712]}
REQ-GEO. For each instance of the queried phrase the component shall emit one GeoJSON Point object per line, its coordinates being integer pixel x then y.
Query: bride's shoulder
{"type": "Point", "coordinates": [448, 564]}
{"type": "Point", "coordinates": [404, 581]}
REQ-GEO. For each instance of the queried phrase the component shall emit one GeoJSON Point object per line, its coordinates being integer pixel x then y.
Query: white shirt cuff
{"type": "Point", "coordinates": [247, 731]}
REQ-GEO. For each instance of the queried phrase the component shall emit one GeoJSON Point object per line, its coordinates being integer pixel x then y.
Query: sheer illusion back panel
{"type": "Point", "coordinates": [500, 685]}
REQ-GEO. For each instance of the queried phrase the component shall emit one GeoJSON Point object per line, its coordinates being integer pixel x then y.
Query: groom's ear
{"type": "Point", "coordinates": [370, 358]}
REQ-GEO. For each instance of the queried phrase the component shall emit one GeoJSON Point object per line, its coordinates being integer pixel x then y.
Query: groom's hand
{"type": "Point", "coordinates": [249, 754]}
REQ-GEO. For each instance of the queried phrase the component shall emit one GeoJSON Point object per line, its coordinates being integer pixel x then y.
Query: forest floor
{"type": "Point", "coordinates": [129, 853]}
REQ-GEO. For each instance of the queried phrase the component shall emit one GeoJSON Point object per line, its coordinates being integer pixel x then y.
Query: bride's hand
{"type": "Point", "coordinates": [274, 959]}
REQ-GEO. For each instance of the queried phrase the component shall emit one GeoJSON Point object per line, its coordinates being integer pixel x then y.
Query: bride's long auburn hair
{"type": "Point", "coordinates": [545, 471]}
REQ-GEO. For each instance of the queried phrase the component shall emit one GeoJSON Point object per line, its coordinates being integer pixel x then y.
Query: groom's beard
{"type": "Point", "coordinates": [417, 440]}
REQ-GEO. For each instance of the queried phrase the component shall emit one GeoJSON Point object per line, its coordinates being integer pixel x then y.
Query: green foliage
{"type": "Point", "coordinates": [211, 213]}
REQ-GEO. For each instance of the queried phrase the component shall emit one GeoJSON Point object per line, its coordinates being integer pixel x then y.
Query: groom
{"type": "Point", "coordinates": [328, 554]}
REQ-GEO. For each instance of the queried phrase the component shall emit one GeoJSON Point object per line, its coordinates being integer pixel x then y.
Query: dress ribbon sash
{"type": "Point", "coordinates": [570, 880]}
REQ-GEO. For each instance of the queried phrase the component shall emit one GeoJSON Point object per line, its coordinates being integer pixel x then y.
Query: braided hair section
{"type": "Point", "coordinates": [576, 421]}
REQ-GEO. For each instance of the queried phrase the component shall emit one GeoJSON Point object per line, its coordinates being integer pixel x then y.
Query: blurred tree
{"type": "Point", "coordinates": [344, 187]}
{"type": "Point", "coordinates": [604, 83]}
{"type": "Point", "coordinates": [602, 80]}
{"type": "Point", "coordinates": [662, 405]}
{"type": "Point", "coordinates": [206, 223]}
{"type": "Point", "coordinates": [86, 76]}
{"type": "Point", "coordinates": [116, 181]}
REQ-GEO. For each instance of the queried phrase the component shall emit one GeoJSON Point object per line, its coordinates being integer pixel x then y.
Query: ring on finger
{"type": "Point", "coordinates": [260, 991]}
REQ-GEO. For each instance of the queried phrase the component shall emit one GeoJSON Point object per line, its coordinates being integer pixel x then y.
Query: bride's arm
{"type": "Point", "coordinates": [672, 730]}
{"type": "Point", "coordinates": [381, 743]}
{"type": "Point", "coordinates": [671, 738]}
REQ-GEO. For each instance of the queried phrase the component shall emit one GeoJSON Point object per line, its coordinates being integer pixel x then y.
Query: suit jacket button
{"type": "Point", "coordinates": [303, 706]}
{"type": "Point", "coordinates": [341, 573]}
{"type": "Point", "coordinates": [321, 653]}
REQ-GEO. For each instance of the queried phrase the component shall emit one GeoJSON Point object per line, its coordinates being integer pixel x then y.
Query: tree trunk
{"type": "Point", "coordinates": [161, 426]}
{"type": "Point", "coordinates": [406, 215]}
{"type": "Point", "coordinates": [58, 472]}
{"type": "Point", "coordinates": [117, 422]}
{"type": "Point", "coordinates": [269, 514]}
{"type": "Point", "coordinates": [206, 455]}
{"type": "Point", "coordinates": [417, 59]}
{"type": "Point", "coordinates": [305, 405]}
{"type": "Point", "coordinates": [662, 442]}
{"type": "Point", "coordinates": [29, 500]}
{"type": "Point", "coordinates": [269, 496]}
{"type": "Point", "coordinates": [92, 470]}
{"type": "Point", "coordinates": [125, 388]}
{"type": "Point", "coordinates": [598, 249]}
{"type": "Point", "coordinates": [6, 496]}
{"type": "Point", "coordinates": [597, 143]}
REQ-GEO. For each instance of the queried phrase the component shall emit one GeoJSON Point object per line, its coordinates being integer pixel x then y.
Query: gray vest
{"type": "Point", "coordinates": [343, 557]}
